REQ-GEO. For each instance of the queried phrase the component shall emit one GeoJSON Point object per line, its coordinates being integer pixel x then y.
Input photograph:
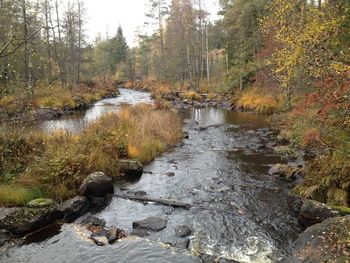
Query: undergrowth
{"type": "Point", "coordinates": [54, 165]}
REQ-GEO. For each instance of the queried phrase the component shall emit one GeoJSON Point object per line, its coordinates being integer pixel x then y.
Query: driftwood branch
{"type": "Point", "coordinates": [161, 201]}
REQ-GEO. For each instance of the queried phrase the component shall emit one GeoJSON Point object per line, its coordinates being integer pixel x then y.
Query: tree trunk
{"type": "Point", "coordinates": [48, 48]}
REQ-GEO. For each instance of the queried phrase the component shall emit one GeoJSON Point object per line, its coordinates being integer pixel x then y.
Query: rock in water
{"type": "Point", "coordinates": [324, 242]}
{"type": "Point", "coordinates": [100, 238]}
{"type": "Point", "coordinates": [75, 207]}
{"type": "Point", "coordinates": [182, 231]}
{"type": "Point", "coordinates": [313, 212]}
{"type": "Point", "coordinates": [281, 170]}
{"type": "Point", "coordinates": [139, 232]}
{"type": "Point", "coordinates": [98, 185]}
{"type": "Point", "coordinates": [5, 236]}
{"type": "Point", "coordinates": [170, 174]}
{"type": "Point", "coordinates": [151, 223]}
{"type": "Point", "coordinates": [114, 234]}
{"type": "Point", "coordinates": [130, 168]}
{"type": "Point", "coordinates": [34, 217]}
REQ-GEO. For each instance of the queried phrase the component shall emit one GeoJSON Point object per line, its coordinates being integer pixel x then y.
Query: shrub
{"type": "Point", "coordinates": [259, 100]}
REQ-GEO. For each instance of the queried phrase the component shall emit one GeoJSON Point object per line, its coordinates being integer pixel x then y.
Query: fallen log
{"type": "Point", "coordinates": [161, 201]}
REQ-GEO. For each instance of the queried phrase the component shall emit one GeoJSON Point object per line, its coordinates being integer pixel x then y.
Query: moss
{"type": "Point", "coordinates": [41, 202]}
{"type": "Point", "coordinates": [343, 210]}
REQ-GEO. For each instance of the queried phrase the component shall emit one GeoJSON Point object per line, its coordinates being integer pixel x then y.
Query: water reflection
{"type": "Point", "coordinates": [78, 121]}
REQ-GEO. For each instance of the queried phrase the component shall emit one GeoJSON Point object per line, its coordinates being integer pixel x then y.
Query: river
{"type": "Point", "coordinates": [239, 212]}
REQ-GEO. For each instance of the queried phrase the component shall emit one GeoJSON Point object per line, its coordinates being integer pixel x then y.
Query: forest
{"type": "Point", "coordinates": [286, 60]}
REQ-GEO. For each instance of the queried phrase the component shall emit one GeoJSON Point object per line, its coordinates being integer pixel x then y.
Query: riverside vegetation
{"type": "Point", "coordinates": [45, 165]}
{"type": "Point", "coordinates": [288, 59]}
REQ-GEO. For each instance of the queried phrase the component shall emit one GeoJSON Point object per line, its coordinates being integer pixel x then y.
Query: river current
{"type": "Point", "coordinates": [238, 211]}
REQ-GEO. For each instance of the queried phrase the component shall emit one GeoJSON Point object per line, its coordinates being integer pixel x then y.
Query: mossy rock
{"type": "Point", "coordinates": [27, 219]}
{"type": "Point", "coordinates": [285, 151]}
{"type": "Point", "coordinates": [41, 203]}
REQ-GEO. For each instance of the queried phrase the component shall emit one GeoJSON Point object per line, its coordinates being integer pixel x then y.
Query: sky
{"type": "Point", "coordinates": [106, 15]}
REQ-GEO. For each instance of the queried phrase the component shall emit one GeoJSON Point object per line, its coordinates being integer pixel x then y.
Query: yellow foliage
{"type": "Point", "coordinates": [63, 160]}
{"type": "Point", "coordinates": [258, 100]}
{"type": "Point", "coordinates": [191, 95]}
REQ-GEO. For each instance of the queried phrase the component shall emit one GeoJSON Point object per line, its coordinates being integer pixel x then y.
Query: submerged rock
{"type": "Point", "coordinates": [93, 221]}
{"type": "Point", "coordinates": [183, 244]}
{"type": "Point", "coordinates": [137, 193]}
{"type": "Point", "coordinates": [139, 232]}
{"type": "Point", "coordinates": [328, 241]}
{"type": "Point", "coordinates": [74, 208]}
{"type": "Point", "coordinates": [313, 212]}
{"type": "Point", "coordinates": [151, 223]}
{"type": "Point", "coordinates": [170, 174]}
{"type": "Point", "coordinates": [5, 236]}
{"type": "Point", "coordinates": [182, 231]}
{"type": "Point", "coordinates": [29, 219]}
{"type": "Point", "coordinates": [130, 168]}
{"type": "Point", "coordinates": [98, 185]}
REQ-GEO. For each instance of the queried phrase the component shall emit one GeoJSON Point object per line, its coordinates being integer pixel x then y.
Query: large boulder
{"type": "Point", "coordinates": [150, 223]}
{"type": "Point", "coordinates": [130, 168]}
{"type": "Point", "coordinates": [97, 185]}
{"type": "Point", "coordinates": [313, 212]}
{"type": "Point", "coordinates": [37, 214]}
{"type": "Point", "coordinates": [74, 208]}
{"type": "Point", "coordinates": [328, 241]}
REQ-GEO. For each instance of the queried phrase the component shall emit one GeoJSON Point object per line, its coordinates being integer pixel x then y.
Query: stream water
{"type": "Point", "coordinates": [239, 212]}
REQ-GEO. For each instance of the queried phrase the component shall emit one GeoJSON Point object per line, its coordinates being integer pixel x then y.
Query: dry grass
{"type": "Point", "coordinates": [138, 132]}
{"type": "Point", "coordinates": [260, 100]}
{"type": "Point", "coordinates": [15, 195]}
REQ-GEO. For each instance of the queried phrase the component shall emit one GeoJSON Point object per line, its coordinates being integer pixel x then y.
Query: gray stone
{"type": "Point", "coordinates": [313, 212]}
{"type": "Point", "coordinates": [93, 221]}
{"type": "Point", "coordinates": [151, 223]}
{"type": "Point", "coordinates": [130, 168]}
{"type": "Point", "coordinates": [74, 208]}
{"type": "Point", "coordinates": [98, 185]}
{"type": "Point", "coordinates": [324, 242]}
{"type": "Point", "coordinates": [28, 219]}
{"type": "Point", "coordinates": [183, 244]}
{"type": "Point", "coordinates": [100, 238]}
{"type": "Point", "coordinates": [170, 174]}
{"type": "Point", "coordinates": [139, 232]}
{"type": "Point", "coordinates": [182, 231]}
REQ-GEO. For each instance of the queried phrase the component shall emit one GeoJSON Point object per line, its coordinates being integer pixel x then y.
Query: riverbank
{"type": "Point", "coordinates": [54, 101]}
{"type": "Point", "coordinates": [54, 165]}
{"type": "Point", "coordinates": [316, 173]}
